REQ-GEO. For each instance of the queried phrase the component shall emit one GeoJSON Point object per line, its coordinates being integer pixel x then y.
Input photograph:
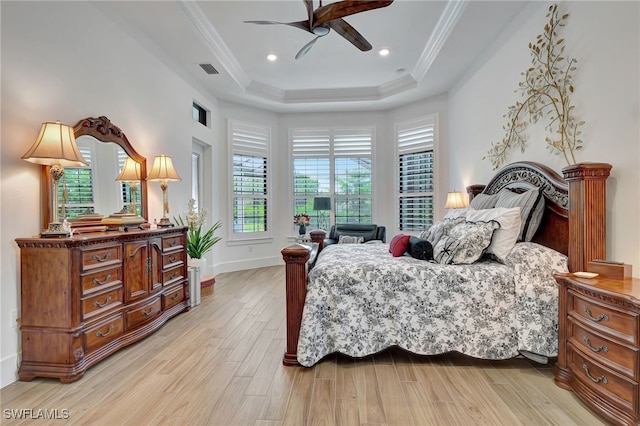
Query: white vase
{"type": "Point", "coordinates": [197, 269]}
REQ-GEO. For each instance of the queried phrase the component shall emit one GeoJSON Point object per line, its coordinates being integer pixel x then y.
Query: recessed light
{"type": "Point", "coordinates": [384, 51]}
{"type": "Point", "coordinates": [272, 57]}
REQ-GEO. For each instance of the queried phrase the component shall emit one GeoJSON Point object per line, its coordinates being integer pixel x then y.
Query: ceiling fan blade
{"type": "Point", "coordinates": [303, 25]}
{"type": "Point", "coordinates": [306, 48]}
{"type": "Point", "coordinates": [343, 28]}
{"type": "Point", "coordinates": [340, 9]}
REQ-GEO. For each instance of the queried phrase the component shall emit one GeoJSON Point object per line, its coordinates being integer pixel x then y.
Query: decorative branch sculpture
{"type": "Point", "coordinates": [546, 88]}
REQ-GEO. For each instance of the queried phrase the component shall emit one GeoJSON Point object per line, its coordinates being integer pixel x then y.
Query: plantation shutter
{"type": "Point", "coordinates": [250, 145]}
{"type": "Point", "coordinates": [415, 147]}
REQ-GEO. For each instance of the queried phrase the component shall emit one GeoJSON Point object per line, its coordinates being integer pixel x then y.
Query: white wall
{"type": "Point", "coordinates": [64, 61]}
{"type": "Point", "coordinates": [604, 38]}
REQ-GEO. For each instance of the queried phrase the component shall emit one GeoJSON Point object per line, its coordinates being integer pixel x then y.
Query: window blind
{"type": "Point", "coordinates": [250, 145]}
{"type": "Point", "coordinates": [415, 143]}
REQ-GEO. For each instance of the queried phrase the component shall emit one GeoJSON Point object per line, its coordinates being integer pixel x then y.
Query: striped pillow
{"type": "Point", "coordinates": [531, 205]}
{"type": "Point", "coordinates": [483, 201]}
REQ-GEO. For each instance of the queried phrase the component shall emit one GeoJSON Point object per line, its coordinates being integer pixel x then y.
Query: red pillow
{"type": "Point", "coordinates": [399, 245]}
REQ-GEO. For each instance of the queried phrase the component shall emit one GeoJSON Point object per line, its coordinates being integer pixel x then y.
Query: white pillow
{"type": "Point", "coordinates": [504, 238]}
{"type": "Point", "coordinates": [454, 213]}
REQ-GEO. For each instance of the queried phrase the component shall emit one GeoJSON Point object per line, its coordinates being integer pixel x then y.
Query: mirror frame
{"type": "Point", "coordinates": [103, 130]}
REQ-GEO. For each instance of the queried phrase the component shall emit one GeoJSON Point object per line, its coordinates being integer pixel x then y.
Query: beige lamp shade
{"type": "Point", "coordinates": [130, 171]}
{"type": "Point", "coordinates": [163, 169]}
{"type": "Point", "coordinates": [455, 200]}
{"type": "Point", "coordinates": [56, 144]}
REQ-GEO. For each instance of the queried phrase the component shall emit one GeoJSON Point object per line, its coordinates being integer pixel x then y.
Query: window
{"type": "Point", "coordinates": [415, 143]}
{"type": "Point", "coordinates": [75, 191]}
{"type": "Point", "coordinates": [334, 163]}
{"type": "Point", "coordinates": [199, 114]}
{"type": "Point", "coordinates": [250, 146]}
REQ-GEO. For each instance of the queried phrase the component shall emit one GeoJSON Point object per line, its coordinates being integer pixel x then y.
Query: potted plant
{"type": "Point", "coordinates": [199, 242]}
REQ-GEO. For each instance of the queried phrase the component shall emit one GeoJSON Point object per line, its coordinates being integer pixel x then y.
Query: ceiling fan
{"type": "Point", "coordinates": [325, 18]}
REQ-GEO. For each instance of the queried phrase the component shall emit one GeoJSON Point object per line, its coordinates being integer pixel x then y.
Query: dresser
{"type": "Point", "coordinates": [599, 344]}
{"type": "Point", "coordinates": [87, 296]}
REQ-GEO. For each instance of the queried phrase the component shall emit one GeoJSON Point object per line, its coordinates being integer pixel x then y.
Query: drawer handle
{"type": "Point", "coordinates": [594, 379]}
{"type": "Point", "coordinates": [173, 259]}
{"type": "Point", "coordinates": [602, 348]}
{"type": "Point", "coordinates": [174, 296]}
{"type": "Point", "coordinates": [102, 259]}
{"type": "Point", "coordinates": [106, 280]}
{"type": "Point", "coordinates": [172, 243]}
{"type": "Point", "coordinates": [173, 275]}
{"type": "Point", "coordinates": [603, 317]}
{"type": "Point", "coordinates": [102, 305]}
{"type": "Point", "coordinates": [147, 312]}
{"type": "Point", "coordinates": [106, 333]}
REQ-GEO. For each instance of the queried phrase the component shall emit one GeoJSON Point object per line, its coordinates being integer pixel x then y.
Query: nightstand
{"type": "Point", "coordinates": [599, 344]}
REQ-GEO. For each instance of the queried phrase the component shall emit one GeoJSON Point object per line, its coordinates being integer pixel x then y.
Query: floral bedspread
{"type": "Point", "coordinates": [361, 300]}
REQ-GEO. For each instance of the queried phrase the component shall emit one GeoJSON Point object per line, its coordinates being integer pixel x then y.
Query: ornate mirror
{"type": "Point", "coordinates": [95, 190]}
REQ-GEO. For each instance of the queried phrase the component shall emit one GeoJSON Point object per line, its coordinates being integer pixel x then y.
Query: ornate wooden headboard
{"type": "Point", "coordinates": [574, 222]}
{"type": "Point", "coordinates": [554, 228]}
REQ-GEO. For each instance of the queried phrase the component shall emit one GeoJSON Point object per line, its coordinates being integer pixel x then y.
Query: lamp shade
{"type": "Point", "coordinates": [163, 169]}
{"type": "Point", "coordinates": [56, 144]}
{"type": "Point", "coordinates": [322, 203]}
{"type": "Point", "coordinates": [454, 200]}
{"type": "Point", "coordinates": [130, 171]}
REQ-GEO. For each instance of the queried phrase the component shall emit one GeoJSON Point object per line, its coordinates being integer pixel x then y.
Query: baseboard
{"type": "Point", "coordinates": [8, 370]}
{"type": "Point", "coordinates": [241, 265]}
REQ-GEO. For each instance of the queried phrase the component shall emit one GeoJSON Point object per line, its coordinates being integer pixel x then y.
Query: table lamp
{"type": "Point", "coordinates": [131, 173]}
{"type": "Point", "coordinates": [322, 204]}
{"type": "Point", "coordinates": [455, 200]}
{"type": "Point", "coordinates": [164, 172]}
{"type": "Point", "coordinates": [56, 147]}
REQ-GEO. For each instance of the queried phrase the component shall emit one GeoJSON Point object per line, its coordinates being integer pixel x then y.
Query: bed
{"type": "Point", "coordinates": [359, 300]}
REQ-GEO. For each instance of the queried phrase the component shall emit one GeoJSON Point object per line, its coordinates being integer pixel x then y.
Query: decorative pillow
{"type": "Point", "coordinates": [483, 201]}
{"type": "Point", "coordinates": [420, 249]}
{"type": "Point", "coordinates": [348, 239]}
{"type": "Point", "coordinates": [504, 238]}
{"type": "Point", "coordinates": [531, 205]}
{"type": "Point", "coordinates": [399, 245]}
{"type": "Point", "coordinates": [439, 229]}
{"type": "Point", "coordinates": [465, 243]}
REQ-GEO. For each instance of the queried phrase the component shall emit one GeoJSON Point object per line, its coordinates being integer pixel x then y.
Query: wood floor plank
{"type": "Point", "coordinates": [322, 408]}
{"type": "Point", "coordinates": [221, 364]}
{"type": "Point", "coordinates": [395, 404]}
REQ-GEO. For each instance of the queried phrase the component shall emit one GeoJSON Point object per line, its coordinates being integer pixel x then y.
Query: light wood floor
{"type": "Point", "coordinates": [221, 364]}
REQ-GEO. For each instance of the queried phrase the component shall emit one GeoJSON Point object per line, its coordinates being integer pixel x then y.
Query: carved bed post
{"type": "Point", "coordinates": [295, 258]}
{"type": "Point", "coordinates": [587, 213]}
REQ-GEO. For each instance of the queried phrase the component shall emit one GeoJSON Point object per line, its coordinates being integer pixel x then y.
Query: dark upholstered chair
{"type": "Point", "coordinates": [367, 230]}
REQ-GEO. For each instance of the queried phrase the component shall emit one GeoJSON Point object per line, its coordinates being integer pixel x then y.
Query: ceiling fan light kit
{"type": "Point", "coordinates": [326, 18]}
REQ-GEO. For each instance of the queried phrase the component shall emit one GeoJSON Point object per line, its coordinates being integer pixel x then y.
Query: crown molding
{"type": "Point", "coordinates": [447, 21]}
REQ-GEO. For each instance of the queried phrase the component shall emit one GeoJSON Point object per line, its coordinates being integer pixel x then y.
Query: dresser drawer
{"type": "Point", "coordinates": [98, 281]}
{"type": "Point", "coordinates": [173, 275]}
{"type": "Point", "coordinates": [173, 242]}
{"type": "Point", "coordinates": [172, 297]}
{"type": "Point", "coordinates": [170, 260]}
{"type": "Point", "coordinates": [607, 319]}
{"type": "Point", "coordinates": [101, 257]}
{"type": "Point", "coordinates": [143, 314]}
{"type": "Point", "coordinates": [102, 302]}
{"type": "Point", "coordinates": [101, 334]}
{"type": "Point", "coordinates": [616, 389]}
{"type": "Point", "coordinates": [619, 357]}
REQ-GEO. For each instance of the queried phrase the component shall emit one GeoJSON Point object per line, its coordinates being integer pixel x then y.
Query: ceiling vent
{"type": "Point", "coordinates": [209, 69]}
